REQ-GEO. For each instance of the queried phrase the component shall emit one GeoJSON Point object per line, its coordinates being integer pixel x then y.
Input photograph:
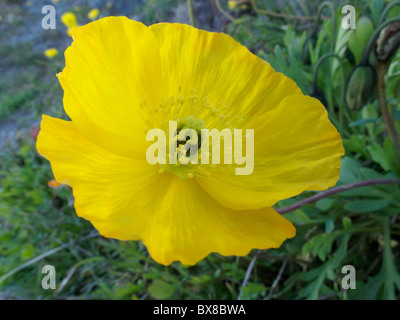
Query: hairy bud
{"type": "Point", "coordinates": [388, 42]}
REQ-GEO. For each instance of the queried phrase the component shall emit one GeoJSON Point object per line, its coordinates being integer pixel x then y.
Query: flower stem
{"type": "Point", "coordinates": [387, 10]}
{"type": "Point", "coordinates": [333, 191]}
{"type": "Point", "coordinates": [387, 117]}
{"type": "Point", "coordinates": [332, 10]}
{"type": "Point", "coordinates": [191, 13]}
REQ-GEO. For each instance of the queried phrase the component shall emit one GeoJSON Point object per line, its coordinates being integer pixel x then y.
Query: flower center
{"type": "Point", "coordinates": [192, 111]}
{"type": "Point", "coordinates": [190, 123]}
{"type": "Point", "coordinates": [184, 146]}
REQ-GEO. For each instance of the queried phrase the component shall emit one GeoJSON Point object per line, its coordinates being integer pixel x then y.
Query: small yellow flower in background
{"type": "Point", "coordinates": [232, 4]}
{"type": "Point", "coordinates": [51, 53]}
{"type": "Point", "coordinates": [237, 4]}
{"type": "Point", "coordinates": [55, 1]}
{"type": "Point", "coordinates": [122, 79]}
{"type": "Point", "coordinates": [69, 19]}
{"type": "Point", "coordinates": [1, 18]}
{"type": "Point", "coordinates": [93, 14]}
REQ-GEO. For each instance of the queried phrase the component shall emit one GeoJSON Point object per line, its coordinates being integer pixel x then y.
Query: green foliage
{"type": "Point", "coordinates": [358, 227]}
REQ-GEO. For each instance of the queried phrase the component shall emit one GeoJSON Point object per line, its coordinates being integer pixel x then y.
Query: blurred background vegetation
{"type": "Point", "coordinates": [302, 39]}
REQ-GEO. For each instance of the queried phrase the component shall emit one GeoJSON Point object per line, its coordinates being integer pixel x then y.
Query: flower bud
{"type": "Point", "coordinates": [388, 42]}
{"type": "Point", "coordinates": [360, 86]}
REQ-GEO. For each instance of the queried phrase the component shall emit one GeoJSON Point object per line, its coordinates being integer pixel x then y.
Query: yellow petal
{"type": "Point", "coordinates": [188, 225]}
{"type": "Point", "coordinates": [106, 81]}
{"type": "Point", "coordinates": [236, 83]}
{"type": "Point", "coordinates": [128, 199]}
{"type": "Point", "coordinates": [296, 149]}
{"type": "Point", "coordinates": [103, 183]}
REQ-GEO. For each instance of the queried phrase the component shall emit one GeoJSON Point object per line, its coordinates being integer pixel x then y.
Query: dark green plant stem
{"type": "Point", "coordinates": [387, 117]}
{"type": "Point", "coordinates": [333, 191]}
{"type": "Point", "coordinates": [323, 5]}
{"type": "Point", "coordinates": [387, 259]}
{"type": "Point", "coordinates": [387, 9]}
{"type": "Point", "coordinates": [372, 39]}
{"type": "Point", "coordinates": [191, 13]}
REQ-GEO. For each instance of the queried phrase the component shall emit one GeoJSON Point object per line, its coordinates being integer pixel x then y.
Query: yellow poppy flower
{"type": "Point", "coordinates": [122, 79]}
{"type": "Point", "coordinates": [93, 14]}
{"type": "Point", "coordinates": [51, 53]}
{"type": "Point", "coordinates": [69, 19]}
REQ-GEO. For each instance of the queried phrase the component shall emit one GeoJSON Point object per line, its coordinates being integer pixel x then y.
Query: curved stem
{"type": "Point", "coordinates": [279, 15]}
{"type": "Point", "coordinates": [371, 42]}
{"type": "Point", "coordinates": [333, 191]}
{"type": "Point", "coordinates": [387, 117]}
{"type": "Point", "coordinates": [387, 9]}
{"type": "Point", "coordinates": [332, 10]}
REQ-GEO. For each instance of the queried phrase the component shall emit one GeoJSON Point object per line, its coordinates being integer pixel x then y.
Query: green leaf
{"type": "Point", "coordinates": [346, 223]}
{"type": "Point", "coordinates": [367, 205]}
{"type": "Point", "coordinates": [253, 291]}
{"type": "Point", "coordinates": [161, 290]}
{"type": "Point", "coordinates": [298, 217]}
{"type": "Point", "coordinates": [350, 171]}
{"type": "Point", "coordinates": [325, 204]}
{"type": "Point", "coordinates": [320, 245]}
{"type": "Point", "coordinates": [362, 122]}
{"type": "Point", "coordinates": [376, 7]}
{"type": "Point", "coordinates": [380, 156]}
{"type": "Point", "coordinates": [360, 37]}
{"type": "Point", "coordinates": [28, 252]}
